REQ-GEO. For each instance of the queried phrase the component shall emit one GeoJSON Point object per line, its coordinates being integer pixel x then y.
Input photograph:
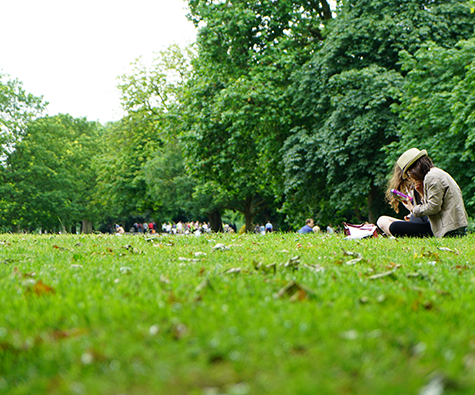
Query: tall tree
{"type": "Point", "coordinates": [17, 108]}
{"type": "Point", "coordinates": [239, 110]}
{"type": "Point", "coordinates": [51, 174]}
{"type": "Point", "coordinates": [149, 96]}
{"type": "Point", "coordinates": [344, 95]}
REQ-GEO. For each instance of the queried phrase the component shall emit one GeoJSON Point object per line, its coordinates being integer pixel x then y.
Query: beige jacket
{"type": "Point", "coordinates": [442, 203]}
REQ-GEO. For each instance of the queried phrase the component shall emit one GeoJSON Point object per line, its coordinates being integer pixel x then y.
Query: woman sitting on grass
{"type": "Point", "coordinates": [437, 207]}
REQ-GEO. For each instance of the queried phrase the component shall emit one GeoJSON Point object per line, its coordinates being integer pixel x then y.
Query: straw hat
{"type": "Point", "coordinates": [408, 158]}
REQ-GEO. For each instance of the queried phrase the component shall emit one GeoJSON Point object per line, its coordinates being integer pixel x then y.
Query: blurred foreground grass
{"type": "Point", "coordinates": [227, 314]}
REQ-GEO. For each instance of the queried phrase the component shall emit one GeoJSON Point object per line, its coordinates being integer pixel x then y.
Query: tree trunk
{"type": "Point", "coordinates": [86, 226]}
{"type": "Point", "coordinates": [215, 221]}
{"type": "Point", "coordinates": [372, 196]}
{"type": "Point", "coordinates": [249, 217]}
{"type": "Point", "coordinates": [327, 12]}
{"type": "Point", "coordinates": [249, 214]}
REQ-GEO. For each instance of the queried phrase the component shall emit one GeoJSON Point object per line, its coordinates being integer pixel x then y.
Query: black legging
{"type": "Point", "coordinates": [410, 229]}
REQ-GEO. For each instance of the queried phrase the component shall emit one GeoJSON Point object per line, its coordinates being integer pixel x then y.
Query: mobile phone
{"type": "Point", "coordinates": [401, 196]}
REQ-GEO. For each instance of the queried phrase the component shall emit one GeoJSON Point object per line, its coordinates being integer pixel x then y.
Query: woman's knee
{"type": "Point", "coordinates": [384, 223]}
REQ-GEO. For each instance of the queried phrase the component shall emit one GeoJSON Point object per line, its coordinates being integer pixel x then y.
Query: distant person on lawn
{"type": "Point", "coordinates": [269, 227]}
{"type": "Point", "coordinates": [308, 228]}
{"type": "Point", "coordinates": [437, 207]}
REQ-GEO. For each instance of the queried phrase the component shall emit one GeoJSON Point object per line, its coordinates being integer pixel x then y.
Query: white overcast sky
{"type": "Point", "coordinates": [71, 52]}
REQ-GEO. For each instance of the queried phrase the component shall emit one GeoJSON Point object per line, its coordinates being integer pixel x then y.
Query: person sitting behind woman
{"type": "Point", "coordinates": [435, 194]}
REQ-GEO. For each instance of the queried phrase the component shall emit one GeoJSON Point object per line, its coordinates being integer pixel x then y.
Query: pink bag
{"type": "Point", "coordinates": [360, 231]}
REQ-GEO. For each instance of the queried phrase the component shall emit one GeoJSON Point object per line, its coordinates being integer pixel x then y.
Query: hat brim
{"type": "Point", "coordinates": [412, 161]}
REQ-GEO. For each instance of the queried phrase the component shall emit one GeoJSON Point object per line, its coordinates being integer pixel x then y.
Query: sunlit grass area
{"type": "Point", "coordinates": [279, 313]}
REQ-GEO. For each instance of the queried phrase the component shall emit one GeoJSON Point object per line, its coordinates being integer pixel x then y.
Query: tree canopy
{"type": "Point", "coordinates": [281, 110]}
{"type": "Point", "coordinates": [50, 178]}
{"type": "Point", "coordinates": [239, 110]}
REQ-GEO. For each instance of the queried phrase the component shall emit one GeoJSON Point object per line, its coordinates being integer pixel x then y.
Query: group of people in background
{"type": "Point", "coordinates": [310, 227]}
{"type": "Point", "coordinates": [197, 228]}
{"type": "Point", "coordinates": [186, 228]}
{"type": "Point", "coordinates": [192, 227]}
{"type": "Point", "coordinates": [146, 227]}
{"type": "Point", "coordinates": [150, 227]}
{"type": "Point", "coordinates": [263, 229]}
{"type": "Point", "coordinates": [166, 227]}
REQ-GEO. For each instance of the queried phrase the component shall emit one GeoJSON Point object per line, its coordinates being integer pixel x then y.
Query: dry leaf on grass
{"type": "Point", "coordinates": [265, 268]}
{"type": "Point", "coordinates": [449, 250]}
{"type": "Point", "coordinates": [125, 270]}
{"type": "Point", "coordinates": [354, 261]}
{"type": "Point", "coordinates": [349, 253]}
{"type": "Point", "coordinates": [357, 257]}
{"type": "Point", "coordinates": [38, 287]}
{"type": "Point", "coordinates": [233, 270]}
{"type": "Point", "coordinates": [178, 331]}
{"type": "Point", "coordinates": [201, 288]}
{"type": "Point", "coordinates": [203, 285]}
{"type": "Point", "coordinates": [292, 262]}
{"type": "Point", "coordinates": [295, 292]}
{"type": "Point", "coordinates": [61, 248]}
{"type": "Point", "coordinates": [220, 247]}
{"type": "Point", "coordinates": [413, 275]}
{"type": "Point", "coordinates": [65, 334]}
{"type": "Point", "coordinates": [183, 259]}
{"type": "Point", "coordinates": [16, 272]}
{"type": "Point", "coordinates": [382, 275]}
{"type": "Point", "coordinates": [313, 267]}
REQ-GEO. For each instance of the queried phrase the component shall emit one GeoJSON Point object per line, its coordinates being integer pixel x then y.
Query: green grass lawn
{"type": "Point", "coordinates": [174, 315]}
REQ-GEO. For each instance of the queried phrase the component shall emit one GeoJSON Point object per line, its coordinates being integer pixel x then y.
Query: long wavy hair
{"type": "Point", "coordinates": [398, 183]}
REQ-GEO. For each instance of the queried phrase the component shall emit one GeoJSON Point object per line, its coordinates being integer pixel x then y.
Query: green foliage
{"type": "Point", "coordinates": [274, 314]}
{"type": "Point", "coordinates": [141, 140]}
{"type": "Point", "coordinates": [231, 34]}
{"type": "Point", "coordinates": [238, 109]}
{"type": "Point", "coordinates": [169, 184]}
{"type": "Point", "coordinates": [50, 177]}
{"type": "Point", "coordinates": [345, 152]}
{"type": "Point", "coordinates": [149, 94]}
{"type": "Point", "coordinates": [122, 184]}
{"type": "Point", "coordinates": [17, 108]}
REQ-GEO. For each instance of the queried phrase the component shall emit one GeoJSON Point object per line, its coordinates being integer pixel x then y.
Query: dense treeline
{"type": "Point", "coordinates": [281, 110]}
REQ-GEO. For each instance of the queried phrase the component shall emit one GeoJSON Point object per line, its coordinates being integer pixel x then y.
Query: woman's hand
{"type": "Point", "coordinates": [408, 204]}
